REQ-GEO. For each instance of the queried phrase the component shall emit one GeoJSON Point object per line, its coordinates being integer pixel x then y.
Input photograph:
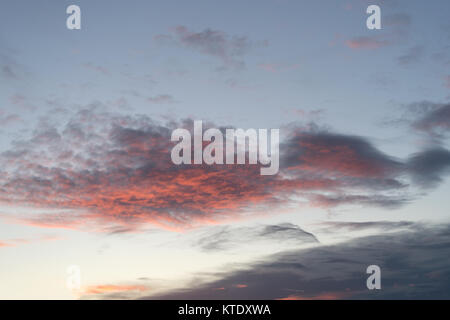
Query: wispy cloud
{"type": "Point", "coordinates": [112, 291]}
{"type": "Point", "coordinates": [97, 68]}
{"type": "Point", "coordinates": [447, 81]}
{"type": "Point", "coordinates": [215, 43]}
{"type": "Point", "coordinates": [394, 31]}
{"type": "Point", "coordinates": [431, 118]}
{"type": "Point", "coordinates": [397, 20]}
{"type": "Point", "coordinates": [367, 42]}
{"type": "Point", "coordinates": [338, 226]}
{"type": "Point", "coordinates": [412, 55]}
{"type": "Point", "coordinates": [226, 237]}
{"type": "Point", "coordinates": [22, 241]}
{"type": "Point", "coordinates": [162, 98]}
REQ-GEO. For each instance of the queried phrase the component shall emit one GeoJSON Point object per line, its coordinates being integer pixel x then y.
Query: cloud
{"type": "Point", "coordinates": [397, 20]}
{"type": "Point", "coordinates": [431, 118]}
{"type": "Point", "coordinates": [411, 262]}
{"type": "Point", "coordinates": [367, 42]}
{"type": "Point", "coordinates": [4, 244]}
{"type": "Point", "coordinates": [359, 226]}
{"type": "Point", "coordinates": [111, 291]}
{"type": "Point", "coordinates": [162, 98]}
{"type": "Point", "coordinates": [338, 155]}
{"type": "Point", "coordinates": [8, 72]}
{"type": "Point", "coordinates": [226, 237]}
{"type": "Point", "coordinates": [9, 68]}
{"type": "Point", "coordinates": [394, 30]}
{"type": "Point", "coordinates": [229, 49]}
{"type": "Point", "coordinates": [97, 68]}
{"type": "Point", "coordinates": [287, 231]}
{"type": "Point", "coordinates": [23, 241]}
{"type": "Point", "coordinates": [387, 202]}
{"type": "Point", "coordinates": [105, 172]}
{"type": "Point", "coordinates": [21, 101]}
{"type": "Point", "coordinates": [325, 296]}
{"type": "Point", "coordinates": [101, 167]}
{"type": "Point", "coordinates": [413, 55]}
{"type": "Point", "coordinates": [273, 67]}
{"type": "Point", "coordinates": [361, 171]}
{"type": "Point", "coordinates": [7, 119]}
{"type": "Point", "coordinates": [429, 167]}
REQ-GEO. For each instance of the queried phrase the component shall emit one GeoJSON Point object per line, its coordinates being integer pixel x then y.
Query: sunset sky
{"type": "Point", "coordinates": [86, 177]}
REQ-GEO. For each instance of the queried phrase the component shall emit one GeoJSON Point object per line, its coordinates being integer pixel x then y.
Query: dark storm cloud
{"type": "Point", "coordinates": [414, 264]}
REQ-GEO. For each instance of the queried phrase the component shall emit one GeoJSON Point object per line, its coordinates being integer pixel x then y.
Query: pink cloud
{"type": "Point", "coordinates": [366, 43]}
{"type": "Point", "coordinates": [447, 82]}
{"type": "Point", "coordinates": [109, 289]}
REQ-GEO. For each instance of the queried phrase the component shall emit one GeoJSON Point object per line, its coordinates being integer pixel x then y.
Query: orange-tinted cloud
{"type": "Point", "coordinates": [4, 244]}
{"type": "Point", "coordinates": [103, 170]}
{"type": "Point", "coordinates": [366, 43]}
{"type": "Point", "coordinates": [20, 241]}
{"type": "Point", "coordinates": [109, 289]}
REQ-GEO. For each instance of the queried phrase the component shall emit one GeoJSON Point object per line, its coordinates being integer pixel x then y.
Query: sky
{"type": "Point", "coordinates": [92, 207]}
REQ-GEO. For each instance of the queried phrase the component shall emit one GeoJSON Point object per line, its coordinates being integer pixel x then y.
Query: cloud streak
{"type": "Point", "coordinates": [226, 237]}
{"type": "Point", "coordinates": [215, 43]}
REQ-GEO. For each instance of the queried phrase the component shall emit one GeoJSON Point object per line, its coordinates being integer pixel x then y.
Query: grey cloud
{"type": "Point", "coordinates": [386, 202]}
{"type": "Point", "coordinates": [411, 56]}
{"type": "Point", "coordinates": [10, 69]}
{"type": "Point", "coordinates": [162, 98]}
{"type": "Point", "coordinates": [227, 237]}
{"type": "Point", "coordinates": [431, 118]}
{"type": "Point", "coordinates": [359, 226]}
{"type": "Point", "coordinates": [352, 161]}
{"type": "Point", "coordinates": [397, 19]}
{"type": "Point", "coordinates": [429, 167]}
{"type": "Point", "coordinates": [395, 30]}
{"type": "Point", "coordinates": [287, 231]}
{"type": "Point", "coordinates": [8, 73]}
{"type": "Point", "coordinates": [229, 49]}
{"type": "Point", "coordinates": [414, 264]}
